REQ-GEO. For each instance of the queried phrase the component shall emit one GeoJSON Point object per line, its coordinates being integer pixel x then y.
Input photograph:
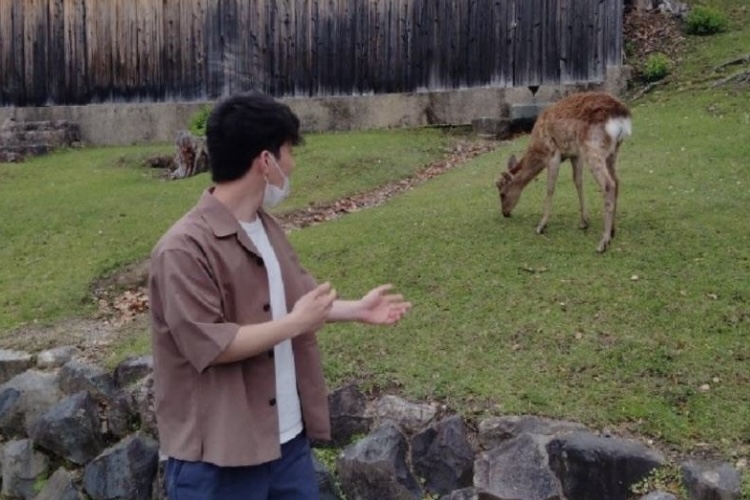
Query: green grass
{"type": "Point", "coordinates": [74, 216]}
{"type": "Point", "coordinates": [576, 337]}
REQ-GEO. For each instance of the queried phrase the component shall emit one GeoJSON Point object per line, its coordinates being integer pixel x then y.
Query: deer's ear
{"type": "Point", "coordinates": [512, 162]}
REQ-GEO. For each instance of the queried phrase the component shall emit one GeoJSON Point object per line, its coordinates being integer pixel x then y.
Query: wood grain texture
{"type": "Point", "coordinates": [87, 51]}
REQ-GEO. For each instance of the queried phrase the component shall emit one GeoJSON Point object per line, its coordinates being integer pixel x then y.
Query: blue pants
{"type": "Point", "coordinates": [291, 477]}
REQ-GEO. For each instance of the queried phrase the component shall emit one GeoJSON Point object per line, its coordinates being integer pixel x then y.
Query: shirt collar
{"type": "Point", "coordinates": [218, 217]}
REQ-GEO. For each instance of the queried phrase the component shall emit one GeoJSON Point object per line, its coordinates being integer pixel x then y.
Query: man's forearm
{"type": "Point", "coordinates": [252, 340]}
{"type": "Point", "coordinates": [344, 310]}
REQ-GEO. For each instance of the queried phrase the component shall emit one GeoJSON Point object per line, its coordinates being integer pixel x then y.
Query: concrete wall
{"type": "Point", "coordinates": [118, 124]}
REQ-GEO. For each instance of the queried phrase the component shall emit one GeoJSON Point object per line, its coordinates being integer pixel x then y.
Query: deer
{"type": "Point", "coordinates": [585, 127]}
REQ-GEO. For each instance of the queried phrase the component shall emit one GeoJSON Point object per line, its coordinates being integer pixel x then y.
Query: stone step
{"type": "Point", "coordinates": [19, 140]}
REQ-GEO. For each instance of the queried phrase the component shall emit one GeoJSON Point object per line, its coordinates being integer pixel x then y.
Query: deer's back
{"type": "Point", "coordinates": [590, 119]}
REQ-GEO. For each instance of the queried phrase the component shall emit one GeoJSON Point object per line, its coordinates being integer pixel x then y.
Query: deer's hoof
{"type": "Point", "coordinates": [583, 225]}
{"type": "Point", "coordinates": [602, 246]}
{"type": "Point", "coordinates": [541, 228]}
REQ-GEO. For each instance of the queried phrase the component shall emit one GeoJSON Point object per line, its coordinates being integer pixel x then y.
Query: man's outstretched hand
{"type": "Point", "coordinates": [379, 307]}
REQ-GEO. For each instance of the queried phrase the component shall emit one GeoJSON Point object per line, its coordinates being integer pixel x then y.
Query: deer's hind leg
{"type": "Point", "coordinates": [598, 164]}
{"type": "Point", "coordinates": [612, 170]}
{"type": "Point", "coordinates": [553, 168]}
{"type": "Point", "coordinates": [578, 181]}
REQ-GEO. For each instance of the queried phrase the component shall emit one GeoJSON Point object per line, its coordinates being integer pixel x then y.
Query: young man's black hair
{"type": "Point", "coordinates": [241, 127]}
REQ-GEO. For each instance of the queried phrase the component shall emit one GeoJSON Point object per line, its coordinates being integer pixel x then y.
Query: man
{"type": "Point", "coordinates": [239, 387]}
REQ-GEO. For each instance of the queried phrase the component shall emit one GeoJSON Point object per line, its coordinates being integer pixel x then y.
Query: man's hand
{"type": "Point", "coordinates": [377, 307]}
{"type": "Point", "coordinates": [312, 309]}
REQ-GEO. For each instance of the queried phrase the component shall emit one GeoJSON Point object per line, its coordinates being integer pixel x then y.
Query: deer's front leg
{"type": "Point", "coordinates": [578, 181]}
{"type": "Point", "coordinates": [553, 168]}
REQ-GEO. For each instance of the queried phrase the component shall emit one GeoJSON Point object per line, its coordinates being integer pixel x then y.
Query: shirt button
{"type": "Point", "coordinates": [266, 307]}
{"type": "Point", "coordinates": [259, 260]}
{"type": "Point", "coordinates": [272, 402]}
{"type": "Point", "coordinates": [270, 353]}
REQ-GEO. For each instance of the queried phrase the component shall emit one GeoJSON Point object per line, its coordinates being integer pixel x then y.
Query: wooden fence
{"type": "Point", "coordinates": [85, 51]}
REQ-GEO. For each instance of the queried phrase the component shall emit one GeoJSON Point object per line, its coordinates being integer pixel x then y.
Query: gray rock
{"type": "Point", "coordinates": [11, 415]}
{"type": "Point", "coordinates": [348, 406]}
{"type": "Point", "coordinates": [55, 358]}
{"type": "Point", "coordinates": [673, 7]}
{"type": "Point", "coordinates": [375, 467]}
{"type": "Point", "coordinates": [12, 363]}
{"type": "Point", "coordinates": [23, 398]}
{"type": "Point", "coordinates": [326, 482]}
{"type": "Point", "coordinates": [462, 494]}
{"type": "Point", "coordinates": [470, 494]}
{"type": "Point", "coordinates": [711, 480]}
{"type": "Point", "coordinates": [76, 376]}
{"type": "Point", "coordinates": [142, 403]}
{"type": "Point", "coordinates": [411, 417]}
{"type": "Point", "coordinates": [61, 486]}
{"type": "Point", "coordinates": [494, 431]}
{"type": "Point", "coordinates": [70, 429]}
{"type": "Point", "coordinates": [590, 466]}
{"type": "Point", "coordinates": [124, 471]}
{"type": "Point", "coordinates": [132, 370]}
{"type": "Point", "coordinates": [22, 467]}
{"type": "Point", "coordinates": [659, 495]}
{"type": "Point", "coordinates": [443, 457]}
{"type": "Point", "coordinates": [120, 418]}
{"type": "Point", "coordinates": [518, 469]}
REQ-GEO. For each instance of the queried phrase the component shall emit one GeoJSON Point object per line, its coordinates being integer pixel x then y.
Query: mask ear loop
{"type": "Point", "coordinates": [276, 164]}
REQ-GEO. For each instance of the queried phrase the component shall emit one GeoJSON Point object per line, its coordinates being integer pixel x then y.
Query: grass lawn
{"type": "Point", "coordinates": [650, 338]}
{"type": "Point", "coordinates": [74, 216]}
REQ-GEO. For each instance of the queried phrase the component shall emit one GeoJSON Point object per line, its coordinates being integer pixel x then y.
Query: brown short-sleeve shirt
{"type": "Point", "coordinates": [206, 280]}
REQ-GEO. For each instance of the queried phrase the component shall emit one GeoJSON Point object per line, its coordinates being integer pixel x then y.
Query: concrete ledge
{"type": "Point", "coordinates": [121, 124]}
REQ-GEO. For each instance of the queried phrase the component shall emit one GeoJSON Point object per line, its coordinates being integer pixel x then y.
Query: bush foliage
{"type": "Point", "coordinates": [706, 21]}
{"type": "Point", "coordinates": [197, 124]}
{"type": "Point", "coordinates": [656, 67]}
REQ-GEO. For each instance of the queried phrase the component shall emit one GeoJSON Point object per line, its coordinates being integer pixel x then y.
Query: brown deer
{"type": "Point", "coordinates": [585, 128]}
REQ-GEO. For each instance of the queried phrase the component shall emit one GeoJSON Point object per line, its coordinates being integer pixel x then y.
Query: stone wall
{"type": "Point", "coordinates": [69, 428]}
{"type": "Point", "coordinates": [118, 124]}
{"type": "Point", "coordinates": [19, 140]}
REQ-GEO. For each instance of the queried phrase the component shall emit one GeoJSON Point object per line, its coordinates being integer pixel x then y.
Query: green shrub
{"type": "Point", "coordinates": [706, 21]}
{"type": "Point", "coordinates": [656, 67]}
{"type": "Point", "coordinates": [197, 124]}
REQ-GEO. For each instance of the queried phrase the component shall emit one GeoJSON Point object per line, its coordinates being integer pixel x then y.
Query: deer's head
{"type": "Point", "coordinates": [510, 191]}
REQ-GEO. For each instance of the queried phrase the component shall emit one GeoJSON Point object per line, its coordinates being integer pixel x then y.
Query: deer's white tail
{"type": "Point", "coordinates": [619, 128]}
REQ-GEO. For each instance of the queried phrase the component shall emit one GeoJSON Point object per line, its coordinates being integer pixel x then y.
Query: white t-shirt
{"type": "Point", "coordinates": [287, 399]}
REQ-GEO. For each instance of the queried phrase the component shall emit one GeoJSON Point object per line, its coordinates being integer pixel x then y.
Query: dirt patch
{"type": "Point", "coordinates": [85, 334]}
{"type": "Point", "coordinates": [646, 33]}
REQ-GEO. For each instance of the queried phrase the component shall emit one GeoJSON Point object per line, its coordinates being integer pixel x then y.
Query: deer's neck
{"type": "Point", "coordinates": [535, 160]}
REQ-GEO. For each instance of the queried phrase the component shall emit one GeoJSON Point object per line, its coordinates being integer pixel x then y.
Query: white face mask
{"type": "Point", "coordinates": [274, 195]}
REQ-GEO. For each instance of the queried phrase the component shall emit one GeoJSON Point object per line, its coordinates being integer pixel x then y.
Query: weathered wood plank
{"type": "Point", "coordinates": [150, 49]}
{"type": "Point", "coordinates": [9, 83]}
{"type": "Point", "coordinates": [79, 51]}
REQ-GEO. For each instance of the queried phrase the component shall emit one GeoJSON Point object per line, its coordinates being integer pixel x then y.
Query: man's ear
{"type": "Point", "coordinates": [266, 159]}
